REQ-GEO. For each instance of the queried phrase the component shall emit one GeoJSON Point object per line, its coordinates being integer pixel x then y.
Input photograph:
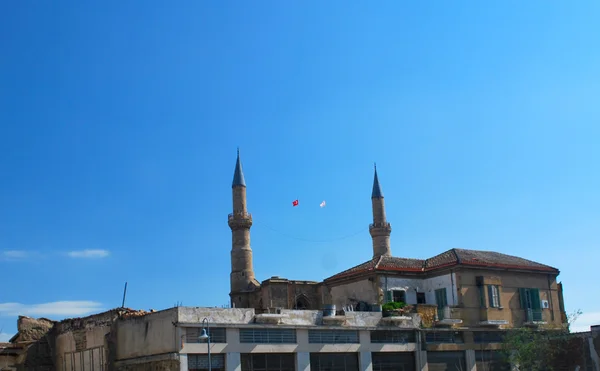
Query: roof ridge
{"type": "Point", "coordinates": [378, 261]}
{"type": "Point", "coordinates": [458, 259]}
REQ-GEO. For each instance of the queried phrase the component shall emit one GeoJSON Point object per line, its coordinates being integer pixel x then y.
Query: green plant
{"type": "Point", "coordinates": [393, 305]}
{"type": "Point", "coordinates": [536, 350]}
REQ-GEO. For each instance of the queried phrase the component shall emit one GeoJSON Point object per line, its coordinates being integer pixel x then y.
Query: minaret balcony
{"type": "Point", "coordinates": [380, 226]}
{"type": "Point", "coordinates": [239, 220]}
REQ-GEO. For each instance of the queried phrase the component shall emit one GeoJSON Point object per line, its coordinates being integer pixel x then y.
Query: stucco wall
{"type": "Point", "coordinates": [351, 293]}
{"type": "Point", "coordinates": [510, 282]}
{"type": "Point", "coordinates": [425, 285]}
{"type": "Point", "coordinates": [146, 335]}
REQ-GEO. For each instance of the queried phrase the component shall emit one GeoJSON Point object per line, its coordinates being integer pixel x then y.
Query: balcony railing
{"type": "Point", "coordinates": [533, 315]}
{"type": "Point", "coordinates": [380, 225]}
{"type": "Point", "coordinates": [239, 216]}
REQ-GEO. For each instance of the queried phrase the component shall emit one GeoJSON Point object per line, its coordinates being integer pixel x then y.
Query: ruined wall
{"type": "Point", "coordinates": [152, 333]}
{"type": "Point", "coordinates": [36, 332]}
{"type": "Point", "coordinates": [81, 343]}
{"type": "Point", "coordinates": [351, 293]}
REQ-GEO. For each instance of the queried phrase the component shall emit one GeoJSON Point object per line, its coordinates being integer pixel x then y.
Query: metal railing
{"type": "Point", "coordinates": [533, 315]}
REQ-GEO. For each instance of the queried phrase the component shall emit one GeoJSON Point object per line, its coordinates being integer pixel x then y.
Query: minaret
{"type": "Point", "coordinates": [380, 229]}
{"type": "Point", "coordinates": [242, 273]}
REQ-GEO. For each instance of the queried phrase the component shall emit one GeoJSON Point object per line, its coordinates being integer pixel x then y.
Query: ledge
{"type": "Point", "coordinates": [396, 320]}
{"type": "Point", "coordinates": [493, 323]}
{"type": "Point", "coordinates": [269, 318]}
{"type": "Point", "coordinates": [448, 322]}
{"type": "Point", "coordinates": [334, 320]}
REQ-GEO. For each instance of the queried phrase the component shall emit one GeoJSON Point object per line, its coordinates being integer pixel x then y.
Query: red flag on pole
{"type": "Point", "coordinates": [295, 203]}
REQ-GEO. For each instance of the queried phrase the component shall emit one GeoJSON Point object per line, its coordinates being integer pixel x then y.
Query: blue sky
{"type": "Point", "coordinates": [119, 124]}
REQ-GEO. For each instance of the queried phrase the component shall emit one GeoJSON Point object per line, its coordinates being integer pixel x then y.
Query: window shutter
{"type": "Point", "coordinates": [481, 296]}
{"type": "Point", "coordinates": [389, 296]}
{"type": "Point", "coordinates": [491, 296]}
{"type": "Point", "coordinates": [498, 293]}
{"type": "Point", "coordinates": [535, 298]}
{"type": "Point", "coordinates": [522, 293]}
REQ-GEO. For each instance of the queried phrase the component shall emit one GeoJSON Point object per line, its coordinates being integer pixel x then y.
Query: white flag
{"type": "Point", "coordinates": [322, 204]}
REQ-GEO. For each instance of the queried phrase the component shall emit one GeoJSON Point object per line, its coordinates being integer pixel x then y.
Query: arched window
{"type": "Point", "coordinates": [302, 302]}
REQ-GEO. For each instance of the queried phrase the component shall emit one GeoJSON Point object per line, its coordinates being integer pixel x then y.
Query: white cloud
{"type": "Point", "coordinates": [13, 255]}
{"type": "Point", "coordinates": [584, 321]}
{"type": "Point", "coordinates": [89, 254]}
{"type": "Point", "coordinates": [54, 309]}
{"type": "Point", "coordinates": [4, 337]}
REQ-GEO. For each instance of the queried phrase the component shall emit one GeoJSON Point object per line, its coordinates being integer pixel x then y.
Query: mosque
{"type": "Point", "coordinates": [455, 277]}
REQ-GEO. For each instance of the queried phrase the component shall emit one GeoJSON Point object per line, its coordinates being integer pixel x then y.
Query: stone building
{"type": "Point", "coordinates": [475, 288]}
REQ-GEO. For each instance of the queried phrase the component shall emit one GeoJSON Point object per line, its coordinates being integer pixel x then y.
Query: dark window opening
{"type": "Point", "coordinates": [334, 361]}
{"type": "Point", "coordinates": [268, 361]}
{"type": "Point", "coordinates": [421, 298]}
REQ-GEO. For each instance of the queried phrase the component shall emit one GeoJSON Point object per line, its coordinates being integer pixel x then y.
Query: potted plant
{"type": "Point", "coordinates": [393, 309]}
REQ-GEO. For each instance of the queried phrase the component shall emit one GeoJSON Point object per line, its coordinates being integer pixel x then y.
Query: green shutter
{"type": "Point", "coordinates": [389, 296]}
{"type": "Point", "coordinates": [522, 293]}
{"type": "Point", "coordinates": [490, 296]}
{"type": "Point", "coordinates": [481, 297]}
{"type": "Point", "coordinates": [535, 298]}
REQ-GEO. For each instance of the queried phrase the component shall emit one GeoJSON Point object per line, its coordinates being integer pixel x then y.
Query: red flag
{"type": "Point", "coordinates": [295, 203]}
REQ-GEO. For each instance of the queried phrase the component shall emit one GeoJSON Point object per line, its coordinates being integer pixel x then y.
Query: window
{"type": "Point", "coordinates": [396, 295]}
{"type": "Point", "coordinates": [334, 361]}
{"type": "Point", "coordinates": [491, 360]}
{"type": "Point", "coordinates": [442, 361]}
{"type": "Point", "coordinates": [482, 296]}
{"type": "Point", "coordinates": [268, 361]}
{"type": "Point", "coordinates": [433, 337]}
{"type": "Point", "coordinates": [217, 335]}
{"type": "Point", "coordinates": [421, 298]}
{"type": "Point", "coordinates": [392, 337]}
{"type": "Point", "coordinates": [399, 296]}
{"type": "Point", "coordinates": [388, 361]}
{"type": "Point", "coordinates": [333, 337]}
{"type": "Point", "coordinates": [530, 301]}
{"type": "Point", "coordinates": [494, 296]}
{"type": "Point", "coordinates": [199, 362]}
{"type": "Point", "coordinates": [488, 337]}
{"type": "Point", "coordinates": [268, 336]}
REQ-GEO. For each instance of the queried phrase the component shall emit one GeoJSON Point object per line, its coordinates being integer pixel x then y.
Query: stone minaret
{"type": "Point", "coordinates": [380, 229]}
{"type": "Point", "coordinates": [242, 273]}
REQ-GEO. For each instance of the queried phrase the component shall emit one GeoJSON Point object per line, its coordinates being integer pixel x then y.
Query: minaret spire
{"type": "Point", "coordinates": [380, 229]}
{"type": "Point", "coordinates": [377, 193]}
{"type": "Point", "coordinates": [238, 174]}
{"type": "Point", "coordinates": [240, 221]}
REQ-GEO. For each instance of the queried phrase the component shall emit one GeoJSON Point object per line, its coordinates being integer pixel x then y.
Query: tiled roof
{"type": "Point", "coordinates": [448, 258]}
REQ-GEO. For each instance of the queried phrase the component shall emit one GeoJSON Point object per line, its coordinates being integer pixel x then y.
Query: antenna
{"type": "Point", "coordinates": [124, 294]}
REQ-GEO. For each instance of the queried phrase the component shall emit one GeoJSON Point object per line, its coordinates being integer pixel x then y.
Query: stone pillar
{"type": "Point", "coordinates": [470, 360]}
{"type": "Point", "coordinates": [364, 357]}
{"type": "Point", "coordinates": [233, 362]}
{"type": "Point", "coordinates": [421, 360]}
{"type": "Point", "coordinates": [302, 361]}
{"type": "Point", "coordinates": [364, 361]}
{"type": "Point", "coordinates": [183, 362]}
